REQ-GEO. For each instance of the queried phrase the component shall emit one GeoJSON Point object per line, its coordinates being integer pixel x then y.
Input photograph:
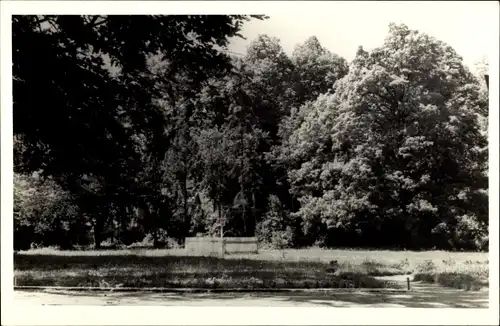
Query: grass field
{"type": "Point", "coordinates": [305, 268]}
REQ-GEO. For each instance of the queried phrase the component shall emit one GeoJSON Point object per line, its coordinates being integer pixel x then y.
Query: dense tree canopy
{"type": "Point", "coordinates": [397, 146]}
{"type": "Point", "coordinates": [84, 102]}
{"type": "Point", "coordinates": [317, 69]}
{"type": "Point", "coordinates": [91, 78]}
{"type": "Point", "coordinates": [138, 129]}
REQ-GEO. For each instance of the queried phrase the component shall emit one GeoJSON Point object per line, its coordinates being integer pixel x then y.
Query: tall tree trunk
{"type": "Point", "coordinates": [222, 247]}
{"type": "Point", "coordinates": [185, 205]}
{"type": "Point", "coordinates": [124, 211]}
{"type": "Point", "coordinates": [219, 213]}
{"type": "Point", "coordinates": [155, 238]}
{"type": "Point", "coordinates": [253, 212]}
{"type": "Point", "coordinates": [98, 226]}
{"type": "Point", "coordinates": [153, 225]}
{"type": "Point", "coordinates": [242, 181]}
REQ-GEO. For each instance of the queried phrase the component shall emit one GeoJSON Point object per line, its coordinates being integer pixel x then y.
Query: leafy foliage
{"type": "Point", "coordinates": [141, 128]}
{"type": "Point", "coordinates": [93, 79]}
{"type": "Point", "coordinates": [277, 227]}
{"type": "Point", "coordinates": [396, 148]}
{"type": "Point", "coordinates": [45, 214]}
{"type": "Point", "coordinates": [317, 69]}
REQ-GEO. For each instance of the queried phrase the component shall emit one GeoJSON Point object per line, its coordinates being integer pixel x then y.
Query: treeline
{"type": "Point", "coordinates": [135, 129]}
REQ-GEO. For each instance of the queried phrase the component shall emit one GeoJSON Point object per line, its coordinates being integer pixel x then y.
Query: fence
{"type": "Point", "coordinates": [212, 245]}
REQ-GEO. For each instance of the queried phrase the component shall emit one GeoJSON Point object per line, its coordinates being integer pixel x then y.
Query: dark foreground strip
{"type": "Point", "coordinates": [204, 290]}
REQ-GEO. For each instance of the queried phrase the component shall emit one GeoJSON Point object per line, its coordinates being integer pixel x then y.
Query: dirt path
{"type": "Point", "coordinates": [421, 296]}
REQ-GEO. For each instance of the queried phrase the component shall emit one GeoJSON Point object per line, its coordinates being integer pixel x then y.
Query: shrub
{"type": "Point", "coordinates": [275, 229]}
{"type": "Point", "coordinates": [44, 214]}
{"type": "Point", "coordinates": [455, 280]}
{"type": "Point", "coordinates": [471, 233]}
{"type": "Point", "coordinates": [112, 243]}
{"type": "Point", "coordinates": [466, 275]}
{"type": "Point", "coordinates": [163, 240]}
{"type": "Point", "coordinates": [426, 266]}
{"type": "Point", "coordinates": [282, 239]}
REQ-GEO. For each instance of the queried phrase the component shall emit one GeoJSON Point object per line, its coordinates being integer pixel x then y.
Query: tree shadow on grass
{"type": "Point", "coordinates": [130, 270]}
{"type": "Point", "coordinates": [438, 298]}
{"type": "Point", "coordinates": [53, 262]}
{"type": "Point", "coordinates": [422, 297]}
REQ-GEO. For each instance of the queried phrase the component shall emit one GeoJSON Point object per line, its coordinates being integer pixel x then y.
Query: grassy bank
{"type": "Point", "coordinates": [268, 269]}
{"type": "Point", "coordinates": [468, 275]}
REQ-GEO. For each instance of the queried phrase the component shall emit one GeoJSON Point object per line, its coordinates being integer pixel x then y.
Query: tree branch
{"type": "Point", "coordinates": [104, 20]}
{"type": "Point", "coordinates": [39, 23]}
{"type": "Point", "coordinates": [92, 22]}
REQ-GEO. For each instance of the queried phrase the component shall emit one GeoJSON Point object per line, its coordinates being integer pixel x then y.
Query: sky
{"type": "Point", "coordinates": [343, 26]}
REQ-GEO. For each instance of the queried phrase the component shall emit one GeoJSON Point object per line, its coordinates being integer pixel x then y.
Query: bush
{"type": "Point", "coordinates": [426, 266]}
{"type": "Point", "coordinates": [275, 230]}
{"type": "Point", "coordinates": [131, 235]}
{"type": "Point", "coordinates": [112, 243]}
{"type": "Point", "coordinates": [44, 214]}
{"type": "Point", "coordinates": [471, 233]}
{"type": "Point", "coordinates": [282, 239]}
{"type": "Point", "coordinates": [455, 280]}
{"type": "Point", "coordinates": [466, 276]}
{"type": "Point", "coordinates": [163, 241]}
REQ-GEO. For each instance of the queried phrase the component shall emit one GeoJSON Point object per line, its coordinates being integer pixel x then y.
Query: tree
{"type": "Point", "coordinates": [272, 73]}
{"type": "Point", "coordinates": [231, 145]}
{"type": "Point", "coordinates": [91, 78]}
{"type": "Point", "coordinates": [214, 152]}
{"type": "Point", "coordinates": [482, 74]}
{"type": "Point", "coordinates": [395, 150]}
{"type": "Point", "coordinates": [276, 228]}
{"type": "Point", "coordinates": [44, 214]}
{"type": "Point", "coordinates": [317, 69]}
{"type": "Point", "coordinates": [181, 169]}
{"type": "Point", "coordinates": [482, 70]}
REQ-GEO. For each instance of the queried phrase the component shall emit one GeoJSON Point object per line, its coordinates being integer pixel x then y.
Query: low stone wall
{"type": "Point", "coordinates": [212, 245]}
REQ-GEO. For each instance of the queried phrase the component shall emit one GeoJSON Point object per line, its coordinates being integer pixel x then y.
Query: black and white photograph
{"type": "Point", "coordinates": [334, 155]}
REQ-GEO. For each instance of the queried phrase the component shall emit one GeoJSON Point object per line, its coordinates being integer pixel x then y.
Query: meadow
{"type": "Point", "coordinates": [302, 268]}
